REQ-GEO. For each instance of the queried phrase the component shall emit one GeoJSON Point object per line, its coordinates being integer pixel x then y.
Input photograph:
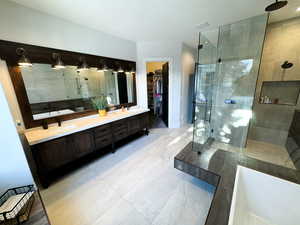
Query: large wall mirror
{"type": "Point", "coordinates": [47, 92]}
{"type": "Point", "coordinates": [65, 91]}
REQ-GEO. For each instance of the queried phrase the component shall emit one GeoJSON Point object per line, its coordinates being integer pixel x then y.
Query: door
{"type": "Point", "coordinates": [83, 143]}
{"type": "Point", "coordinates": [239, 53]}
{"type": "Point", "coordinates": [165, 95]}
{"type": "Point", "coordinates": [122, 85]}
{"type": "Point", "coordinates": [204, 89]}
{"type": "Point", "coordinates": [53, 154]}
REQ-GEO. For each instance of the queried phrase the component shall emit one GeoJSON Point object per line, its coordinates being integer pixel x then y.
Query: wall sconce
{"type": "Point", "coordinates": [58, 63]}
{"type": "Point", "coordinates": [100, 68]}
{"type": "Point", "coordinates": [115, 68]}
{"type": "Point", "coordinates": [23, 61]}
{"type": "Point", "coordinates": [119, 68]}
{"type": "Point", "coordinates": [132, 70]}
{"type": "Point", "coordinates": [105, 68]}
{"type": "Point", "coordinates": [82, 65]}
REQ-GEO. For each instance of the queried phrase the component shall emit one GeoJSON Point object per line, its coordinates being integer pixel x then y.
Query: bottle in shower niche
{"type": "Point", "coordinates": [261, 100]}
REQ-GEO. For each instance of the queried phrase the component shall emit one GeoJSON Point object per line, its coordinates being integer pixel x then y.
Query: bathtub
{"type": "Point", "coordinates": [261, 199]}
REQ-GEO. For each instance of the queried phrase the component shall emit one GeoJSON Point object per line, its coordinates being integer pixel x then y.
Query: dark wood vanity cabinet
{"type": "Point", "coordinates": [134, 125]}
{"type": "Point", "coordinates": [82, 143]}
{"type": "Point", "coordinates": [103, 136]}
{"type": "Point", "coordinates": [51, 155]}
{"type": "Point", "coordinates": [58, 152]}
{"type": "Point", "coordinates": [120, 129]}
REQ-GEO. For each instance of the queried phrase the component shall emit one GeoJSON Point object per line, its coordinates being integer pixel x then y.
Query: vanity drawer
{"type": "Point", "coordinates": [120, 134]}
{"type": "Point", "coordinates": [102, 131]}
{"type": "Point", "coordinates": [103, 141]}
{"type": "Point", "coordinates": [119, 125]}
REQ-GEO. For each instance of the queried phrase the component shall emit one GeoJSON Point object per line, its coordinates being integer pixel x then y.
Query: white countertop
{"type": "Point", "coordinates": [39, 135]}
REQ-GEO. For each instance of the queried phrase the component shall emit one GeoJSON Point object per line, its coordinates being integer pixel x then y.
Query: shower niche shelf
{"type": "Point", "coordinates": [280, 92]}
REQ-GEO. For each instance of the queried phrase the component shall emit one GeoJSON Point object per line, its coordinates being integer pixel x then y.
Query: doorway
{"type": "Point", "coordinates": [158, 93]}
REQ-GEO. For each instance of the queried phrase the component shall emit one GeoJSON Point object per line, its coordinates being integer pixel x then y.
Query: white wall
{"type": "Point", "coordinates": [14, 170]}
{"type": "Point", "coordinates": [161, 51]}
{"type": "Point", "coordinates": [25, 25]}
{"type": "Point", "coordinates": [188, 59]}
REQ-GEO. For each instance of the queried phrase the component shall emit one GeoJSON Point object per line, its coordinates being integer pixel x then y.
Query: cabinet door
{"type": "Point", "coordinates": [144, 121]}
{"type": "Point", "coordinates": [83, 143]}
{"type": "Point", "coordinates": [133, 125]}
{"type": "Point", "coordinates": [53, 154]}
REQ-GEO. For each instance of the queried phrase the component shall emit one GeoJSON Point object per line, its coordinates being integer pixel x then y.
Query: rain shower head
{"type": "Point", "coordinates": [286, 65]}
{"type": "Point", "coordinates": [276, 5]}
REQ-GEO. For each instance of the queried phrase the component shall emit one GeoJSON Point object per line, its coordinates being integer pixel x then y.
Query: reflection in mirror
{"type": "Point", "coordinates": [54, 92]}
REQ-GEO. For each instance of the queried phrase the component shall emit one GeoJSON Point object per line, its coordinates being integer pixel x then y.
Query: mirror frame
{"type": "Point", "coordinates": [38, 54]}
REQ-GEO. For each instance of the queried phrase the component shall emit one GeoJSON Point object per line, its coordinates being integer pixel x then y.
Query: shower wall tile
{"type": "Point", "coordinates": [273, 136]}
{"type": "Point", "coordinates": [282, 43]}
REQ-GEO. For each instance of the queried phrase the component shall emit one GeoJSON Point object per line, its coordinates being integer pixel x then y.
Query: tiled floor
{"type": "Point", "coordinates": [137, 185]}
{"type": "Point", "coordinates": [263, 151]}
{"type": "Point", "coordinates": [157, 122]}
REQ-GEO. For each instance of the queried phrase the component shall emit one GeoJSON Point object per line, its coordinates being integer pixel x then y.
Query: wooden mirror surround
{"type": "Point", "coordinates": [43, 55]}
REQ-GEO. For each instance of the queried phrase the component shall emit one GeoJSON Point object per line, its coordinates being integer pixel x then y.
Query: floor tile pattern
{"type": "Point", "coordinates": [138, 185]}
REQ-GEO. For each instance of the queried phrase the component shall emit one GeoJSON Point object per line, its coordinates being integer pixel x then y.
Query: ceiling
{"type": "Point", "coordinates": [153, 20]}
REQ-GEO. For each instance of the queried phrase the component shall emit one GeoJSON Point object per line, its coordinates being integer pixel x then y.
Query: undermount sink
{"type": "Point", "coordinates": [63, 127]}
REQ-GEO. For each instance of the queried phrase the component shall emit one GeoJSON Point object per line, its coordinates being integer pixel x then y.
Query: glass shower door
{"type": "Point", "coordinates": [226, 74]}
{"type": "Point", "coordinates": [204, 81]}
{"type": "Point", "coordinates": [239, 54]}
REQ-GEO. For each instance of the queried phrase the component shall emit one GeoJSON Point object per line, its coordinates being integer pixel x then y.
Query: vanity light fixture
{"type": "Point", "coordinates": [100, 68]}
{"type": "Point", "coordinates": [23, 61]}
{"type": "Point", "coordinates": [59, 64]}
{"type": "Point", "coordinates": [105, 68]}
{"type": "Point", "coordinates": [298, 9]}
{"type": "Point", "coordinates": [119, 68]}
{"type": "Point", "coordinates": [115, 68]}
{"type": "Point", "coordinates": [132, 70]}
{"type": "Point", "coordinates": [82, 65]}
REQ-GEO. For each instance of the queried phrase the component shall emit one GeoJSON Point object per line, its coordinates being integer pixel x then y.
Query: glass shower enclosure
{"type": "Point", "coordinates": [226, 75]}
